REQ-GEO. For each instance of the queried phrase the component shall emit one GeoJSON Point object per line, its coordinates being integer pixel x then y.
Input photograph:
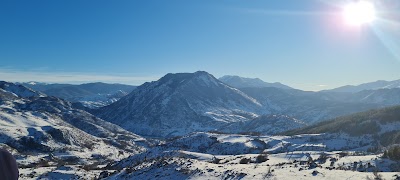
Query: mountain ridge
{"type": "Point", "coordinates": [242, 82]}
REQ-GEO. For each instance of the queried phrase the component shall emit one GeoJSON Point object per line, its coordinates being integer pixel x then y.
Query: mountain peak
{"type": "Point", "coordinates": [177, 79]}
{"type": "Point", "coordinates": [186, 75]}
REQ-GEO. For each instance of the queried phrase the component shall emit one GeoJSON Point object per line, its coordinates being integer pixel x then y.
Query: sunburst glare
{"type": "Point", "coordinates": [359, 13]}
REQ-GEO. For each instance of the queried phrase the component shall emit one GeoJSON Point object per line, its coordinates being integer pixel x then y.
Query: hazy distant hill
{"type": "Point", "coordinates": [383, 123]}
{"type": "Point", "coordinates": [306, 106]}
{"type": "Point", "coordinates": [368, 86]}
{"type": "Point", "coordinates": [93, 95]}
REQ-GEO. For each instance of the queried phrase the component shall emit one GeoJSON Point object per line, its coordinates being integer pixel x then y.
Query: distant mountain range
{"type": "Point", "coordinates": [181, 103]}
{"type": "Point", "coordinates": [368, 86]}
{"type": "Point", "coordinates": [92, 95]}
{"type": "Point", "coordinates": [241, 82]}
{"type": "Point", "coordinates": [197, 122]}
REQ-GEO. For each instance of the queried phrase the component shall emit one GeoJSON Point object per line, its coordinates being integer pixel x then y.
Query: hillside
{"type": "Point", "coordinates": [43, 130]}
{"type": "Point", "coordinates": [384, 124]}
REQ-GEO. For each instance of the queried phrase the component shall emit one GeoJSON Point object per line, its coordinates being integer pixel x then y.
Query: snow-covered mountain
{"type": "Point", "coordinates": [181, 103]}
{"type": "Point", "coordinates": [242, 82]}
{"type": "Point", "coordinates": [92, 95]}
{"type": "Point", "coordinates": [33, 125]}
{"type": "Point", "coordinates": [368, 86]}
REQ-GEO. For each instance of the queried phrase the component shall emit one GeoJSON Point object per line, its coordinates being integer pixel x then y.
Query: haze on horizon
{"type": "Point", "coordinates": [304, 44]}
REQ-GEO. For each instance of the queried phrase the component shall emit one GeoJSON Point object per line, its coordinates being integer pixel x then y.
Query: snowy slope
{"type": "Point", "coordinates": [272, 124]}
{"type": "Point", "coordinates": [19, 90]}
{"type": "Point", "coordinates": [36, 118]}
{"type": "Point", "coordinates": [47, 130]}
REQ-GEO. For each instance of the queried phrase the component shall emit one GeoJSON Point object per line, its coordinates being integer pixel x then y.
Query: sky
{"type": "Point", "coordinates": [304, 44]}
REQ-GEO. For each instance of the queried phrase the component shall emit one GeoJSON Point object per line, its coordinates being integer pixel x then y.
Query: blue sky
{"type": "Point", "coordinates": [304, 44]}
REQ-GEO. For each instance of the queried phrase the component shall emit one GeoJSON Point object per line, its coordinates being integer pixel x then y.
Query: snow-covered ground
{"type": "Point", "coordinates": [189, 165]}
{"type": "Point", "coordinates": [227, 156]}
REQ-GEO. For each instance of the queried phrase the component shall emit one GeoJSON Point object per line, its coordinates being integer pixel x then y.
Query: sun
{"type": "Point", "coordinates": [359, 13]}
